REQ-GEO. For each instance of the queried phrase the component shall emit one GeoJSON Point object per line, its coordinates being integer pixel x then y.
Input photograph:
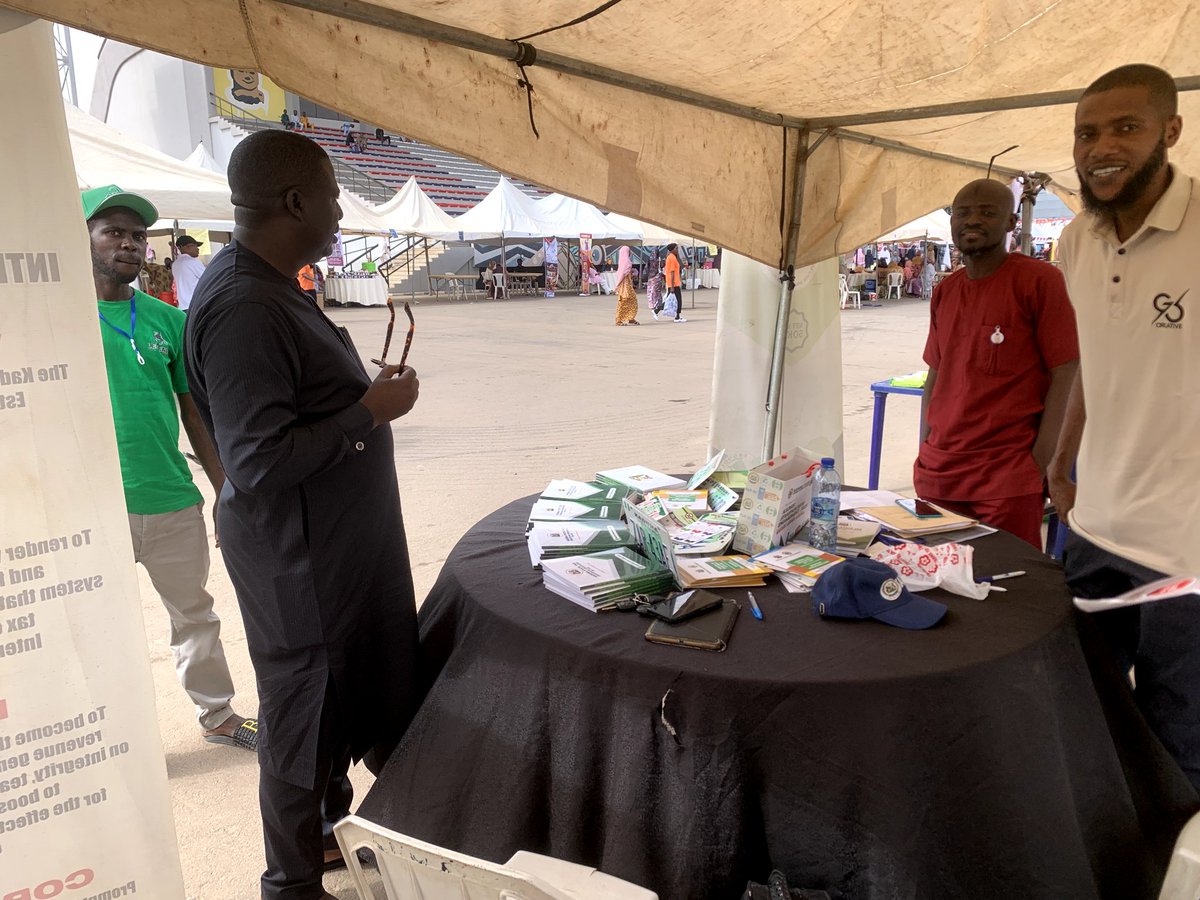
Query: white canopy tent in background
{"type": "Point", "coordinates": [200, 158]}
{"type": "Point", "coordinates": [192, 196]}
{"type": "Point", "coordinates": [652, 235]}
{"type": "Point", "coordinates": [411, 212]}
{"type": "Point", "coordinates": [566, 217]}
{"type": "Point", "coordinates": [505, 211]}
{"type": "Point", "coordinates": [103, 155]}
{"type": "Point", "coordinates": [935, 226]}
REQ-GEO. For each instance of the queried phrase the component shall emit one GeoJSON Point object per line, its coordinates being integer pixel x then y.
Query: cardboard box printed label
{"type": "Point", "coordinates": [775, 504]}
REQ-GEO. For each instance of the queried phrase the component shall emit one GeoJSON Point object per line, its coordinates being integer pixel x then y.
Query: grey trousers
{"type": "Point", "coordinates": [174, 549]}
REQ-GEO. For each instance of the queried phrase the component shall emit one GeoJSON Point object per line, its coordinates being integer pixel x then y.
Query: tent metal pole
{"type": "Point", "coordinates": [425, 248]}
{"type": "Point", "coordinates": [1032, 182]}
{"type": "Point", "coordinates": [926, 154]}
{"type": "Point", "coordinates": [799, 163]}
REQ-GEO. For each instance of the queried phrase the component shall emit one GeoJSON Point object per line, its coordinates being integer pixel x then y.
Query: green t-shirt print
{"type": "Point", "coordinates": [145, 412]}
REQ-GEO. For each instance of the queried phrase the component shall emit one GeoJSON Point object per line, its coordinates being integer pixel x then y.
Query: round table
{"type": "Point", "coordinates": [359, 291]}
{"type": "Point", "coordinates": [998, 754]}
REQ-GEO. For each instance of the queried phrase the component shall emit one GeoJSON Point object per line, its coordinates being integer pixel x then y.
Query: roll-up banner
{"type": "Point", "coordinates": [84, 807]}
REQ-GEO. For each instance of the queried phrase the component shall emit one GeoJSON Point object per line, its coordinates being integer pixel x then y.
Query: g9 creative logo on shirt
{"type": "Point", "coordinates": [1170, 311]}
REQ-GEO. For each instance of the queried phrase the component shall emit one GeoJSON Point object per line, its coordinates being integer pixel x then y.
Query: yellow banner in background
{"type": "Point", "coordinates": [250, 93]}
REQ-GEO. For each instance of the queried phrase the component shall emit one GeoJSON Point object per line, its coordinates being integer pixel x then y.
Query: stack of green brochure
{"type": "Point", "coordinates": [553, 540]}
{"type": "Point", "coordinates": [596, 581]}
{"type": "Point", "coordinates": [574, 510]}
{"type": "Point", "coordinates": [584, 491]}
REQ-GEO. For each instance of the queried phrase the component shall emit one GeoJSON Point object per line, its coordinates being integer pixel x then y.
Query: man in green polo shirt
{"type": "Point", "coordinates": [143, 353]}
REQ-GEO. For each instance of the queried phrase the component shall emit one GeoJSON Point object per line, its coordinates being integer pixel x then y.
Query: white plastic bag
{"type": "Point", "coordinates": [948, 566]}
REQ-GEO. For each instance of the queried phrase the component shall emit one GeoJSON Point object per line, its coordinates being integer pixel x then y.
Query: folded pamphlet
{"type": "Point", "coordinates": [640, 478]}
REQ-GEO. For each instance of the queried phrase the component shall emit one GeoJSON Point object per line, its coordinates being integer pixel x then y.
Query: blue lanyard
{"type": "Point", "coordinates": [132, 328]}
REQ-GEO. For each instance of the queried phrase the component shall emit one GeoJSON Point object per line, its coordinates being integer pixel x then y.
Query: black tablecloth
{"type": "Point", "coordinates": [995, 755]}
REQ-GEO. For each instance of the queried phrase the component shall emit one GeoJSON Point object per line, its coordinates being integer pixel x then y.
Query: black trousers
{"type": "Point", "coordinates": [678, 292]}
{"type": "Point", "coordinates": [298, 822]}
{"type": "Point", "coordinates": [1159, 641]}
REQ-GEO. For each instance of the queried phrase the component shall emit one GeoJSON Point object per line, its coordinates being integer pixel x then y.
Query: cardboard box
{"type": "Point", "coordinates": [776, 501]}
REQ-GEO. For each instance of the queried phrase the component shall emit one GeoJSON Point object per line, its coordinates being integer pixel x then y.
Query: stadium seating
{"type": "Point", "coordinates": [453, 183]}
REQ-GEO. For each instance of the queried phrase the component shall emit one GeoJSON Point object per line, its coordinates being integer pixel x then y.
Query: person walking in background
{"type": "Point", "coordinates": [143, 356]}
{"type": "Point", "coordinates": [627, 305]}
{"type": "Point", "coordinates": [1002, 353]}
{"type": "Point", "coordinates": [187, 270]}
{"type": "Point", "coordinates": [674, 282]}
{"type": "Point", "coordinates": [654, 293]}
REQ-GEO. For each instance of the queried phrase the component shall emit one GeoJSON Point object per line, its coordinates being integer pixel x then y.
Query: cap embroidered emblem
{"type": "Point", "coordinates": [890, 589]}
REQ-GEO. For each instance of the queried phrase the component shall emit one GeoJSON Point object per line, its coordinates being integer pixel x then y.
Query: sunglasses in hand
{"type": "Point", "coordinates": [387, 341]}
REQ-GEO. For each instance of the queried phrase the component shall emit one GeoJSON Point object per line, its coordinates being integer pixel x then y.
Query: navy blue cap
{"type": "Point", "coordinates": [864, 588]}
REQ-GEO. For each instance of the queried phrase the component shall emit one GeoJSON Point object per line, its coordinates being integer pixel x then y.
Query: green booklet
{"type": "Point", "coordinates": [584, 491]}
{"type": "Point", "coordinates": [639, 478]}
{"type": "Point", "coordinates": [551, 540]}
{"type": "Point", "coordinates": [566, 510]}
{"type": "Point", "coordinates": [596, 581]}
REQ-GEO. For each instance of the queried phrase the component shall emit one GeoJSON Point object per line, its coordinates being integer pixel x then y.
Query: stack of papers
{"type": "Point", "coordinates": [906, 525]}
{"type": "Point", "coordinates": [596, 581]}
{"type": "Point", "coordinates": [639, 478]}
{"type": "Point", "coordinates": [709, 535]}
{"type": "Point", "coordinates": [553, 540]}
{"type": "Point", "coordinates": [721, 572]}
{"type": "Point", "coordinates": [798, 565]}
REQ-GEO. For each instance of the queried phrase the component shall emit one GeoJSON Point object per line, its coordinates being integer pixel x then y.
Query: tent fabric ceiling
{"type": "Point", "coordinates": [708, 173]}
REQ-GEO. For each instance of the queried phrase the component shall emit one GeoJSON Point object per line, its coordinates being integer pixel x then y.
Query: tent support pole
{"type": "Point", "coordinates": [1033, 183]}
{"type": "Point", "coordinates": [787, 283]}
{"type": "Point", "coordinates": [425, 248]}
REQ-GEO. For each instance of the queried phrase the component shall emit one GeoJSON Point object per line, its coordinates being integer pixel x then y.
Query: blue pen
{"type": "Point", "coordinates": [754, 610]}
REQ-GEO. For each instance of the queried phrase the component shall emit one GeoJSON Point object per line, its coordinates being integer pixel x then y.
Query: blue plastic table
{"type": "Point", "coordinates": [881, 389]}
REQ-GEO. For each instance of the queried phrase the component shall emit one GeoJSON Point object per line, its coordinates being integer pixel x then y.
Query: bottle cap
{"type": "Point", "coordinates": [827, 462]}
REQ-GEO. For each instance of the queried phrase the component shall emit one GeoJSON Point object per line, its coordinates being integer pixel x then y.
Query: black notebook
{"type": "Point", "coordinates": [709, 631]}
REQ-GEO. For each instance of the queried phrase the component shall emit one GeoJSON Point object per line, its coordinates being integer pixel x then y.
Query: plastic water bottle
{"type": "Point", "coordinates": [826, 503]}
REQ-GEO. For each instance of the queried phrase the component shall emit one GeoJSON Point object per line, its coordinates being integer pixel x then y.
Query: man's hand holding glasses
{"type": "Point", "coordinates": [395, 389]}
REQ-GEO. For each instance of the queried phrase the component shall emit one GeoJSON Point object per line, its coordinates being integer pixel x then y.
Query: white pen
{"type": "Point", "coordinates": [988, 579]}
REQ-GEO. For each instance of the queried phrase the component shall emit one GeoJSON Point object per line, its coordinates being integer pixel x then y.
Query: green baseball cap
{"type": "Point", "coordinates": [110, 196]}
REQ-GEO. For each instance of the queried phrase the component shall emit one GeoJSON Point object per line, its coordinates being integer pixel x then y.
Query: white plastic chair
{"type": "Point", "coordinates": [501, 287]}
{"type": "Point", "coordinates": [1183, 873]}
{"type": "Point", "coordinates": [847, 295]}
{"type": "Point", "coordinates": [414, 870]}
{"type": "Point", "coordinates": [895, 282]}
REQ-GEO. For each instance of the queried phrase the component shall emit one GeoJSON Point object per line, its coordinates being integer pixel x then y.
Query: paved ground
{"type": "Point", "coordinates": [512, 395]}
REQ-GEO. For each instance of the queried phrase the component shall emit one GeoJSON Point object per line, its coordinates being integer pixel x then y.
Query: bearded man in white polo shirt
{"type": "Point", "coordinates": [1132, 428]}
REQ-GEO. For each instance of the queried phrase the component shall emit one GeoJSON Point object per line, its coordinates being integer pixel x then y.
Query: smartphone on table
{"type": "Point", "coordinates": [920, 509]}
{"type": "Point", "coordinates": [681, 606]}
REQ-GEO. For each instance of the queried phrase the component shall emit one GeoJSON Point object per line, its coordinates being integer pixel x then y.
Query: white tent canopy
{"type": "Point", "coordinates": [893, 120]}
{"type": "Point", "coordinates": [936, 226]}
{"type": "Point", "coordinates": [411, 212]}
{"type": "Point", "coordinates": [569, 218]}
{"type": "Point", "coordinates": [193, 196]}
{"type": "Point", "coordinates": [202, 159]}
{"type": "Point", "coordinates": [652, 235]}
{"type": "Point", "coordinates": [103, 155]}
{"type": "Point", "coordinates": [504, 211]}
